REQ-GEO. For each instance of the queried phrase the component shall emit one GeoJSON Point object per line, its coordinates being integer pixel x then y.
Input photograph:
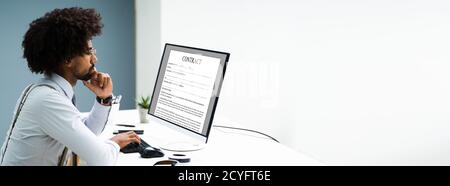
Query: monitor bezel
{"type": "Point", "coordinates": [225, 62]}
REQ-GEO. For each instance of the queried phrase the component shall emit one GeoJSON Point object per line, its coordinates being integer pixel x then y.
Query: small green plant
{"type": "Point", "coordinates": [144, 102]}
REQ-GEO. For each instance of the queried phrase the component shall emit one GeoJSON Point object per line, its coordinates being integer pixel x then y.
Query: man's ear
{"type": "Point", "coordinates": [68, 63]}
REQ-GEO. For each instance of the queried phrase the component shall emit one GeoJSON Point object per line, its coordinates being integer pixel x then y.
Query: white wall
{"type": "Point", "coordinates": [349, 82]}
{"type": "Point", "coordinates": [148, 41]}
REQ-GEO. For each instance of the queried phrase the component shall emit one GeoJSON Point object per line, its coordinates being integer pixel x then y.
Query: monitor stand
{"type": "Point", "coordinates": [182, 146]}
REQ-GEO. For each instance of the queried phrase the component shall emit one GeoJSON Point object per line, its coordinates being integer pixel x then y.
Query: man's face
{"type": "Point", "coordinates": [83, 66]}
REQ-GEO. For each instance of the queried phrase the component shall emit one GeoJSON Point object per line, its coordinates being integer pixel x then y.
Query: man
{"type": "Point", "coordinates": [59, 46]}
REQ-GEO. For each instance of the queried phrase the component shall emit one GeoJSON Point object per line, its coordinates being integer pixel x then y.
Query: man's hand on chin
{"type": "Point", "coordinates": [100, 84]}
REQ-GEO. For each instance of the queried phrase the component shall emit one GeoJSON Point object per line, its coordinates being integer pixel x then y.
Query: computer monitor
{"type": "Point", "coordinates": [186, 93]}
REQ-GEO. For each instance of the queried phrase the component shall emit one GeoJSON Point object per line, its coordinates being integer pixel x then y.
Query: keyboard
{"type": "Point", "coordinates": [134, 147]}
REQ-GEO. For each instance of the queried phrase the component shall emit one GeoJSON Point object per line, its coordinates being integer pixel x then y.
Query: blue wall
{"type": "Point", "coordinates": [115, 50]}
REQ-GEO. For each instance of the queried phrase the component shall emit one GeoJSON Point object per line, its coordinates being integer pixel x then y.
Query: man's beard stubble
{"type": "Point", "coordinates": [88, 75]}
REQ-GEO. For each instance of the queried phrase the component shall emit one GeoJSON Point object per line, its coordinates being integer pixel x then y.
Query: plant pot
{"type": "Point", "coordinates": [143, 116]}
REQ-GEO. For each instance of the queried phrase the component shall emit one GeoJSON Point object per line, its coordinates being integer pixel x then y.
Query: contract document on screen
{"type": "Point", "coordinates": [186, 89]}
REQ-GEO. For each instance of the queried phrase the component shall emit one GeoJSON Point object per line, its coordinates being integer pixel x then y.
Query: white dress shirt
{"type": "Point", "coordinates": [49, 121]}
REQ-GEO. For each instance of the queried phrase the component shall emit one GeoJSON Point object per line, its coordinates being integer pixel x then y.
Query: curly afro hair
{"type": "Point", "coordinates": [58, 36]}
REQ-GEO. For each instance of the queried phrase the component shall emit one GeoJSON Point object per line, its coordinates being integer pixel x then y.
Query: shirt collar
{"type": "Point", "coordinates": [63, 84]}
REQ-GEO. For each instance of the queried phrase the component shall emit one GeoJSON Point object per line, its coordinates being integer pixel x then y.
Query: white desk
{"type": "Point", "coordinates": [225, 147]}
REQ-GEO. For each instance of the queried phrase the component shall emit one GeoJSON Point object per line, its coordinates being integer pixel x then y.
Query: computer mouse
{"type": "Point", "coordinates": [150, 152]}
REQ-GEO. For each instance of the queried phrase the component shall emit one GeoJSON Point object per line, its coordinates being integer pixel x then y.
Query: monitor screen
{"type": "Point", "coordinates": [187, 87]}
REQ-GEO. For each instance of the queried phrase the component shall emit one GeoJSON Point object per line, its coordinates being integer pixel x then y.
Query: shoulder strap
{"type": "Point", "coordinates": [23, 98]}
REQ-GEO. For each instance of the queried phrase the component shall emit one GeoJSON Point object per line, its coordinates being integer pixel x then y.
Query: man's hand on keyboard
{"type": "Point", "coordinates": [123, 139]}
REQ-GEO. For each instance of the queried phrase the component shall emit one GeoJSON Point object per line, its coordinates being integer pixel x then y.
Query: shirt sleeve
{"type": "Point", "coordinates": [63, 122]}
{"type": "Point", "coordinates": [97, 118]}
